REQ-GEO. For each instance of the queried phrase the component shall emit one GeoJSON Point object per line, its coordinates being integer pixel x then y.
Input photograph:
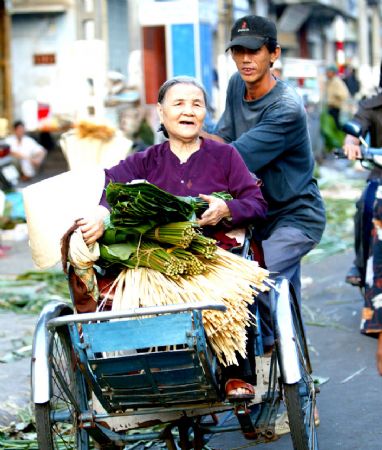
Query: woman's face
{"type": "Point", "coordinates": [182, 111]}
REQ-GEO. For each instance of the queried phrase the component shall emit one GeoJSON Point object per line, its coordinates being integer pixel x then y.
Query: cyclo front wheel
{"type": "Point", "coordinates": [57, 420]}
{"type": "Point", "coordinates": [300, 396]}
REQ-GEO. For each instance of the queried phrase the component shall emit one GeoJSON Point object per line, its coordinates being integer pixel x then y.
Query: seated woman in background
{"type": "Point", "coordinates": [188, 165]}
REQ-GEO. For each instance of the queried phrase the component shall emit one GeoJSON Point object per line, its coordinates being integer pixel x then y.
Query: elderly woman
{"type": "Point", "coordinates": [188, 165]}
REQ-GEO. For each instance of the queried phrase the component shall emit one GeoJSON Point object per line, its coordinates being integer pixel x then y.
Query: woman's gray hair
{"type": "Point", "coordinates": [172, 82]}
{"type": "Point", "coordinates": [180, 80]}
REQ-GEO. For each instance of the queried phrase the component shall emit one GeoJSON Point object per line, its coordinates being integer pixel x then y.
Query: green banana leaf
{"type": "Point", "coordinates": [118, 253]}
{"type": "Point", "coordinates": [135, 203]}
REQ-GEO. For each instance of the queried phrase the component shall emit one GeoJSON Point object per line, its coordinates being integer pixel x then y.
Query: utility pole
{"type": "Point", "coordinates": [261, 8]}
{"type": "Point", "coordinates": [225, 21]}
{"type": "Point", "coordinates": [375, 41]}
{"type": "Point", "coordinates": [5, 63]}
{"type": "Point", "coordinates": [134, 30]}
{"type": "Point", "coordinates": [363, 47]}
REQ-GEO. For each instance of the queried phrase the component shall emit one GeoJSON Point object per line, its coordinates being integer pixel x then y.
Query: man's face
{"type": "Point", "coordinates": [252, 65]}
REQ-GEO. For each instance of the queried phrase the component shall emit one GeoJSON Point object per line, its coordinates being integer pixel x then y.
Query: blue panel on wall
{"type": "Point", "coordinates": [206, 57]}
{"type": "Point", "coordinates": [118, 35]}
{"type": "Point", "coordinates": [183, 52]}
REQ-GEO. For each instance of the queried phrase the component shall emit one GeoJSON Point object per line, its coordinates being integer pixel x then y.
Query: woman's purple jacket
{"type": "Point", "coordinates": [214, 167]}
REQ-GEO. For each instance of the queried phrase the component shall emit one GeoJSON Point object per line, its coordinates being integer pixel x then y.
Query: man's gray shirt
{"type": "Point", "coordinates": [272, 137]}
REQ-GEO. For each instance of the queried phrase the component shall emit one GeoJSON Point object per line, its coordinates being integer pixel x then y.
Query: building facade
{"type": "Point", "coordinates": [56, 54]}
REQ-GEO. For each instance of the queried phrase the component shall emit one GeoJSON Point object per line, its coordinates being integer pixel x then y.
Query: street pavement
{"type": "Point", "coordinates": [349, 404]}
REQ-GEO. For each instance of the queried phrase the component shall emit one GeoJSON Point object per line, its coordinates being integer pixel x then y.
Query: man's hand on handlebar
{"type": "Point", "coordinates": [352, 147]}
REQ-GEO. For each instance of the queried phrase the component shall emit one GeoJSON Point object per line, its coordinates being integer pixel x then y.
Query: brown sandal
{"type": "Point", "coordinates": [234, 384]}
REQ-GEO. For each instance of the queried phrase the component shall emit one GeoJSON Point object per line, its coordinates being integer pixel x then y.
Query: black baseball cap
{"type": "Point", "coordinates": [252, 32]}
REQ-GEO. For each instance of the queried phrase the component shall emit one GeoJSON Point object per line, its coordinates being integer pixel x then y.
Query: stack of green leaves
{"type": "Point", "coordinates": [140, 206]}
{"type": "Point", "coordinates": [152, 228]}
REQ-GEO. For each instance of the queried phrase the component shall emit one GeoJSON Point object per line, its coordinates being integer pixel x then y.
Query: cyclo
{"type": "Point", "coordinates": [143, 374]}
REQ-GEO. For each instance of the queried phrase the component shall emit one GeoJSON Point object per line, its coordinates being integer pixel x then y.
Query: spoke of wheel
{"type": "Point", "coordinates": [61, 399]}
{"type": "Point", "coordinates": [58, 392]}
{"type": "Point", "coordinates": [65, 384]}
{"type": "Point", "coordinates": [303, 361]}
{"type": "Point", "coordinates": [63, 439]}
{"type": "Point", "coordinates": [66, 390]}
{"type": "Point", "coordinates": [310, 401]}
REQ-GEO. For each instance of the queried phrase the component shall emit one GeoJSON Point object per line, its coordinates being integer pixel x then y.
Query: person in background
{"type": "Point", "coordinates": [336, 94]}
{"type": "Point", "coordinates": [265, 120]}
{"type": "Point", "coordinates": [351, 80]}
{"type": "Point", "coordinates": [368, 221]}
{"type": "Point", "coordinates": [134, 126]}
{"type": "Point", "coordinates": [277, 69]}
{"type": "Point", "coordinates": [28, 153]}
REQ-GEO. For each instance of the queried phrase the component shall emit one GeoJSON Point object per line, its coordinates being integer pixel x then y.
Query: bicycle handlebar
{"type": "Point", "coordinates": [367, 154]}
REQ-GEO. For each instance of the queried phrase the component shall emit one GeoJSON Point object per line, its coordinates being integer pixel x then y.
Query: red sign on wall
{"type": "Point", "coordinates": [45, 58]}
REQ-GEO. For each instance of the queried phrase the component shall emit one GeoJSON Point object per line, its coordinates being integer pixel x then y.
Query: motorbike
{"type": "Point", "coordinates": [9, 175]}
{"type": "Point", "coordinates": [371, 158]}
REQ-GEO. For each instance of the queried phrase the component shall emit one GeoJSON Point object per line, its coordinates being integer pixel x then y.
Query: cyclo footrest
{"type": "Point", "coordinates": [244, 416]}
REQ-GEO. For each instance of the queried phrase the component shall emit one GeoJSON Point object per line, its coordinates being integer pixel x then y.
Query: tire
{"type": "Point", "coordinates": [68, 399]}
{"type": "Point", "coordinates": [300, 398]}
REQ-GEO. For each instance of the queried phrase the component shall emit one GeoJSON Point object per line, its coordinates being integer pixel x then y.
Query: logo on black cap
{"type": "Point", "coordinates": [244, 27]}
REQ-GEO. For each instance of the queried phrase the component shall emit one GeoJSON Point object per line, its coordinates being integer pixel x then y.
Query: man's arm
{"type": "Point", "coordinates": [258, 146]}
{"type": "Point", "coordinates": [269, 138]}
{"type": "Point", "coordinates": [265, 140]}
{"type": "Point", "coordinates": [214, 137]}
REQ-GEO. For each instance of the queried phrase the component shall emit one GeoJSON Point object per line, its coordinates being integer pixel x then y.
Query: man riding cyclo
{"type": "Point", "coordinates": [265, 120]}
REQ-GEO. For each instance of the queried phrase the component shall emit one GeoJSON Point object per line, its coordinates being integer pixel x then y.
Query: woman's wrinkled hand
{"type": "Point", "coordinates": [217, 210]}
{"type": "Point", "coordinates": [92, 227]}
{"type": "Point", "coordinates": [352, 148]}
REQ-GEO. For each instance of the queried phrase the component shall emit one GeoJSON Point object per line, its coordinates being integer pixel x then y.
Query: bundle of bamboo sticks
{"type": "Point", "coordinates": [227, 279]}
